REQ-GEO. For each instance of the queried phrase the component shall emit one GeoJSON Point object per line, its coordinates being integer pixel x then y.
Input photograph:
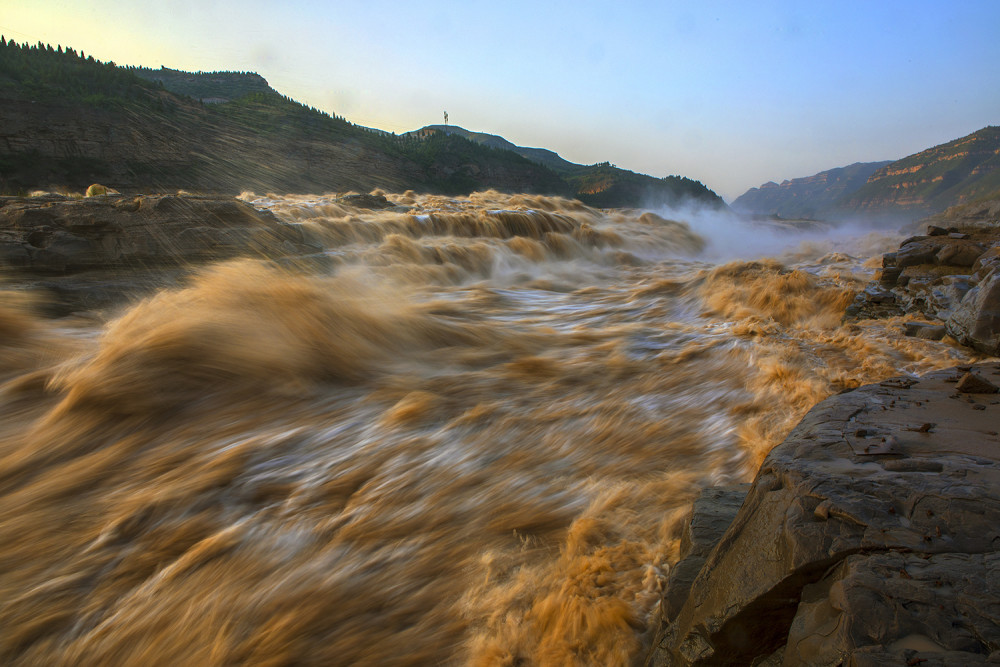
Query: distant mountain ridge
{"type": "Point", "coordinates": [550, 159]}
{"type": "Point", "coordinates": [603, 184]}
{"type": "Point", "coordinates": [925, 183]}
{"type": "Point", "coordinates": [807, 197]}
{"type": "Point", "coordinates": [935, 179]}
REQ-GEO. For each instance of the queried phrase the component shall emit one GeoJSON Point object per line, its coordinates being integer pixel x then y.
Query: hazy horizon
{"type": "Point", "coordinates": [731, 95]}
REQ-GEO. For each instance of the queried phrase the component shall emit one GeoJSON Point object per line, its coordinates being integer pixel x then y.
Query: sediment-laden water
{"type": "Point", "coordinates": [468, 435]}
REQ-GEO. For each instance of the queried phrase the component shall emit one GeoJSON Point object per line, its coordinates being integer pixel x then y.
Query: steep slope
{"type": "Point", "coordinates": [813, 196]}
{"type": "Point", "coordinates": [935, 179]}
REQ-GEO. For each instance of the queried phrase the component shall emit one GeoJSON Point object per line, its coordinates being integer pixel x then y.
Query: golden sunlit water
{"type": "Point", "coordinates": [467, 432]}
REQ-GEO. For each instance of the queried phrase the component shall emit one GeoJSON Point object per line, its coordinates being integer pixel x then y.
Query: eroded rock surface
{"type": "Point", "coordinates": [871, 535]}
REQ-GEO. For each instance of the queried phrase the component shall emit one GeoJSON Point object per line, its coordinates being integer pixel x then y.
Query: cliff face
{"type": "Point", "coordinates": [932, 180]}
{"type": "Point", "coordinates": [922, 184]}
{"type": "Point", "coordinates": [211, 87]}
{"type": "Point", "coordinates": [813, 197]}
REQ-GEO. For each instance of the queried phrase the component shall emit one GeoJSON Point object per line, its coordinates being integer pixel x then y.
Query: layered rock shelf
{"type": "Point", "coordinates": [870, 536]}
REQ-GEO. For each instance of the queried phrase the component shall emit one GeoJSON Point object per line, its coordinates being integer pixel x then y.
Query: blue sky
{"type": "Point", "coordinates": [730, 93]}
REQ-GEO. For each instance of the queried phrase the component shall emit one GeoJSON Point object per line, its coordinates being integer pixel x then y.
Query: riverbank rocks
{"type": "Point", "coordinates": [86, 252]}
{"type": "Point", "coordinates": [871, 536]}
{"type": "Point", "coordinates": [949, 276]}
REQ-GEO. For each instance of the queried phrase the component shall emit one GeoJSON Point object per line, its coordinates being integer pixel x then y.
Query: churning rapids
{"type": "Point", "coordinates": [473, 440]}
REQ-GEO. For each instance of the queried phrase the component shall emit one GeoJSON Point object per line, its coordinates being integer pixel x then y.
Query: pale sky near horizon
{"type": "Point", "coordinates": [733, 94]}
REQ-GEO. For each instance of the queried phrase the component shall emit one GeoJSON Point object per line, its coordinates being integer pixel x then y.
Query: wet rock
{"type": "Point", "coordinates": [917, 250]}
{"type": "Point", "coordinates": [959, 254]}
{"type": "Point", "coordinates": [872, 303]}
{"type": "Point", "coordinates": [907, 605]}
{"type": "Point", "coordinates": [985, 264]}
{"type": "Point", "coordinates": [888, 276]}
{"type": "Point", "coordinates": [971, 383]}
{"type": "Point", "coordinates": [934, 296]}
{"type": "Point", "coordinates": [948, 275]}
{"type": "Point", "coordinates": [838, 556]}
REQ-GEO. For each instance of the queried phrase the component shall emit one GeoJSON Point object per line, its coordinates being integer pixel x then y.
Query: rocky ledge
{"type": "Point", "coordinates": [871, 536]}
{"type": "Point", "coordinates": [89, 253]}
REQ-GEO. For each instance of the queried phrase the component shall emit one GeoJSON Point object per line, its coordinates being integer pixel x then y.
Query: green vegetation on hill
{"type": "Point", "coordinates": [459, 165]}
{"type": "Point", "coordinates": [40, 74]}
{"type": "Point", "coordinates": [605, 185]}
{"type": "Point", "coordinates": [140, 129]}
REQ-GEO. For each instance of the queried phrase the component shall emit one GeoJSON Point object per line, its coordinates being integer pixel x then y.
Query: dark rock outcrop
{"type": "Point", "coordinates": [60, 235]}
{"type": "Point", "coordinates": [870, 536]}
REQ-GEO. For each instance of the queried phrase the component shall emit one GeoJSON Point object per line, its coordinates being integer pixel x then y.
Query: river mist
{"type": "Point", "coordinates": [468, 433]}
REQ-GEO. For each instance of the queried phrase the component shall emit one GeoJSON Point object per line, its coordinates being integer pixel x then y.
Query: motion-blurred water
{"type": "Point", "coordinates": [469, 435]}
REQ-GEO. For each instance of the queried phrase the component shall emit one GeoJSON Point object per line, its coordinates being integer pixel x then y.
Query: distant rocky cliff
{"type": "Point", "coordinates": [809, 197]}
{"type": "Point", "coordinates": [921, 184]}
{"type": "Point", "coordinates": [935, 179]}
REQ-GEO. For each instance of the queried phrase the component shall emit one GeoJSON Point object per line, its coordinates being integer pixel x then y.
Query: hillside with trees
{"type": "Point", "coordinates": [68, 120]}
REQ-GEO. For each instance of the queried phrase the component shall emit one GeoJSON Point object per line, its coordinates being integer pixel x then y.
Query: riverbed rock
{"type": "Point", "coordinates": [925, 330]}
{"type": "Point", "coordinates": [58, 235]}
{"type": "Point", "coordinates": [89, 253]}
{"type": "Point", "coordinates": [871, 535]}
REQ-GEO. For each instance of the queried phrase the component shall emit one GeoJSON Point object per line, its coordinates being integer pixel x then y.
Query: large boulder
{"type": "Point", "coordinates": [871, 535]}
{"type": "Point", "coordinates": [976, 321]}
